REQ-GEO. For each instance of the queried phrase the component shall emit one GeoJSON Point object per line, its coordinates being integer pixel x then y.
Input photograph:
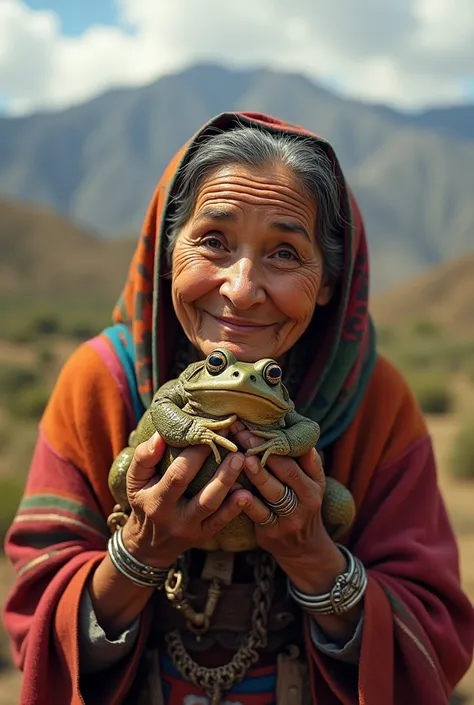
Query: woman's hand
{"type": "Point", "coordinates": [163, 524]}
{"type": "Point", "coordinates": [299, 543]}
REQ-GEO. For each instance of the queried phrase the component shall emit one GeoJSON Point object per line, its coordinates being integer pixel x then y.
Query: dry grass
{"type": "Point", "coordinates": [10, 679]}
{"type": "Point", "coordinates": [459, 498]}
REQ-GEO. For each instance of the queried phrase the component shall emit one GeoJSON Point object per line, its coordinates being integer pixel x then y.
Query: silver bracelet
{"type": "Point", "coordinates": [133, 569]}
{"type": "Point", "coordinates": [348, 590]}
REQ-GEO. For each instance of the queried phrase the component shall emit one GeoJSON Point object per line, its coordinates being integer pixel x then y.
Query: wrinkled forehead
{"type": "Point", "coordinates": [235, 191]}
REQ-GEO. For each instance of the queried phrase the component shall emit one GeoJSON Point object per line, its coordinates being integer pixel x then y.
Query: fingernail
{"type": "Point", "coordinates": [253, 465]}
{"type": "Point", "coordinates": [242, 502]}
{"type": "Point", "coordinates": [153, 440]}
{"type": "Point", "coordinates": [237, 462]}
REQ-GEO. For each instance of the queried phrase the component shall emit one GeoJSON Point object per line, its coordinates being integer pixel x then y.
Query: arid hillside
{"type": "Point", "coordinates": [443, 295]}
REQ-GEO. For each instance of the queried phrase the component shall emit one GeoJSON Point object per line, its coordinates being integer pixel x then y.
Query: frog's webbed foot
{"type": "Point", "coordinates": [277, 444]}
{"type": "Point", "coordinates": [202, 431]}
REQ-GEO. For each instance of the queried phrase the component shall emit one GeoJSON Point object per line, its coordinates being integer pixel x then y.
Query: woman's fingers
{"type": "Point", "coordinates": [290, 472]}
{"type": "Point", "coordinates": [243, 436]}
{"type": "Point", "coordinates": [310, 462]}
{"type": "Point", "coordinates": [257, 511]}
{"type": "Point", "coordinates": [267, 484]}
{"type": "Point", "coordinates": [210, 498]}
{"type": "Point", "coordinates": [180, 473]}
{"type": "Point", "coordinates": [282, 471]}
{"type": "Point", "coordinates": [145, 458]}
{"type": "Point", "coordinates": [230, 509]}
{"type": "Point", "coordinates": [312, 465]}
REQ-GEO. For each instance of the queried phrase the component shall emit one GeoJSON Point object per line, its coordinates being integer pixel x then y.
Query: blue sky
{"type": "Point", "coordinates": [77, 15]}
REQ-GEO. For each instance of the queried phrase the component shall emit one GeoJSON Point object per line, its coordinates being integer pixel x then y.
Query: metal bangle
{"type": "Point", "coordinates": [133, 569]}
{"type": "Point", "coordinates": [347, 591]}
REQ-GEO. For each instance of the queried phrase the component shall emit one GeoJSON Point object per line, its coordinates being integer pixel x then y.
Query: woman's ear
{"type": "Point", "coordinates": [325, 293]}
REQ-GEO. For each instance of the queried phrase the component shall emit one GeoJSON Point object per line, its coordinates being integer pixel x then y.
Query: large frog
{"type": "Point", "coordinates": [207, 398]}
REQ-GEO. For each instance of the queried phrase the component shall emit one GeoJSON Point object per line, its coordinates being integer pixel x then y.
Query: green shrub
{"type": "Point", "coordinates": [433, 392]}
{"type": "Point", "coordinates": [81, 330]}
{"type": "Point", "coordinates": [462, 461]}
{"type": "Point", "coordinates": [386, 335]}
{"type": "Point", "coordinates": [36, 327]}
{"type": "Point", "coordinates": [14, 378]}
{"type": "Point", "coordinates": [47, 324]}
{"type": "Point", "coordinates": [416, 354]}
{"type": "Point", "coordinates": [426, 329]}
{"type": "Point", "coordinates": [22, 334]}
{"type": "Point", "coordinates": [11, 491]}
{"type": "Point", "coordinates": [457, 356]}
{"type": "Point", "coordinates": [45, 355]}
{"type": "Point", "coordinates": [425, 353]}
{"type": "Point", "coordinates": [29, 403]}
{"type": "Point", "coordinates": [5, 437]}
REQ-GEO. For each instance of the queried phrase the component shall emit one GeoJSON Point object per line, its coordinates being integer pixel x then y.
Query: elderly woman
{"type": "Point", "coordinates": [253, 245]}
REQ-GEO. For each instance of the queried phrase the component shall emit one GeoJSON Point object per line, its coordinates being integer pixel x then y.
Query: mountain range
{"type": "Point", "coordinates": [98, 162]}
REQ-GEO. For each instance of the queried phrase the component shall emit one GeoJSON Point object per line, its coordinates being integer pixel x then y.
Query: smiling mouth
{"type": "Point", "coordinates": [236, 324]}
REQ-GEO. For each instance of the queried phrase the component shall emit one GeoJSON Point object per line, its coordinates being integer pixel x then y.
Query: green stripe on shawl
{"type": "Point", "coordinates": [53, 502]}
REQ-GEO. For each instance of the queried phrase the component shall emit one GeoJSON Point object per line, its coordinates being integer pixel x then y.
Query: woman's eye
{"type": "Point", "coordinates": [213, 242]}
{"type": "Point", "coordinates": [287, 255]}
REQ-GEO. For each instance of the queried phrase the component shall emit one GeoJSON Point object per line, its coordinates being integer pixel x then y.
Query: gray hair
{"type": "Point", "coordinates": [255, 148]}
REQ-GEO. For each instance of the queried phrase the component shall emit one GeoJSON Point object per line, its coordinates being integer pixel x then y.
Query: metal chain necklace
{"type": "Point", "coordinates": [214, 681]}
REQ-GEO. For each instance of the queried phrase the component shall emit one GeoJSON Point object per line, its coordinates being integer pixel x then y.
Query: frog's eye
{"type": "Point", "coordinates": [216, 362]}
{"type": "Point", "coordinates": [272, 374]}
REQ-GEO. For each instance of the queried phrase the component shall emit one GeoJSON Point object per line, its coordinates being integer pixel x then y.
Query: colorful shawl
{"type": "Point", "coordinates": [418, 628]}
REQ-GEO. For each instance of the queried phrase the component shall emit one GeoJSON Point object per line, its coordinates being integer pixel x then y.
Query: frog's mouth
{"type": "Point", "coordinates": [222, 402]}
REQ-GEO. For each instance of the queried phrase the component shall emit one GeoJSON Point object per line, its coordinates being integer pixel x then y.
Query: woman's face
{"type": "Point", "coordinates": [247, 272]}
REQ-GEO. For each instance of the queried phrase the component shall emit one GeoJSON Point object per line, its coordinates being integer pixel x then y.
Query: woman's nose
{"type": "Point", "coordinates": [242, 285]}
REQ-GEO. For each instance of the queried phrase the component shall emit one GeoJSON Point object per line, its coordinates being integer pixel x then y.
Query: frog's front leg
{"type": "Point", "coordinates": [300, 435]}
{"type": "Point", "coordinates": [181, 429]}
{"type": "Point", "coordinates": [277, 443]}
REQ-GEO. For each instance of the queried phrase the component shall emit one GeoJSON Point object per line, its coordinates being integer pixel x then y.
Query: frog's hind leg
{"type": "Point", "coordinates": [118, 477]}
{"type": "Point", "coordinates": [265, 434]}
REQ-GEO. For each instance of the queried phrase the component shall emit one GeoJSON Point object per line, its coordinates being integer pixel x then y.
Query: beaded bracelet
{"type": "Point", "coordinates": [133, 569]}
{"type": "Point", "coordinates": [348, 590]}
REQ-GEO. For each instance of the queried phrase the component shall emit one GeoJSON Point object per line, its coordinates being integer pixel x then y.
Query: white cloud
{"type": "Point", "coordinates": [404, 52]}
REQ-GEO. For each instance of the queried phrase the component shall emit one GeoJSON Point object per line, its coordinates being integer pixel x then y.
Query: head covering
{"type": "Point", "coordinates": [339, 348]}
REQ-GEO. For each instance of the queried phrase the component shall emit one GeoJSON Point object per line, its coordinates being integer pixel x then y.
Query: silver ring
{"type": "Point", "coordinates": [271, 519]}
{"type": "Point", "coordinates": [286, 505]}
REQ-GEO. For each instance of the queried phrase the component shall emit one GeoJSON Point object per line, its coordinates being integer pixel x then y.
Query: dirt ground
{"type": "Point", "coordinates": [459, 497]}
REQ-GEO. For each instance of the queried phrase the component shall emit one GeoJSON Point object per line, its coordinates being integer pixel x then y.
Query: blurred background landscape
{"type": "Point", "coordinates": [75, 181]}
